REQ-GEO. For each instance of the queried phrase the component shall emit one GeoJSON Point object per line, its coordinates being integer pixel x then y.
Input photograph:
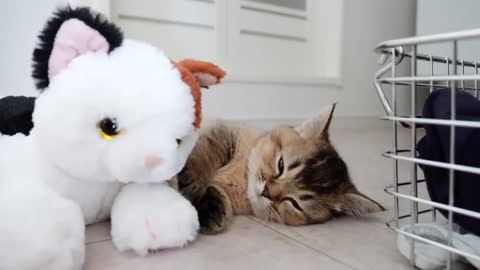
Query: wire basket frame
{"type": "Point", "coordinates": [457, 74]}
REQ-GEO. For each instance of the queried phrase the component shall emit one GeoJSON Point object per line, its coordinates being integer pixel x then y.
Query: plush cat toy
{"type": "Point", "coordinates": [116, 118]}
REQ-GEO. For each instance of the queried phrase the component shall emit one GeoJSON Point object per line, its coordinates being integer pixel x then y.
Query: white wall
{"type": "Point", "coordinates": [440, 16]}
{"type": "Point", "coordinates": [20, 23]}
{"type": "Point", "coordinates": [294, 95]}
{"type": "Point", "coordinates": [365, 23]}
{"type": "Point", "coordinates": [19, 26]}
{"type": "Point", "coordinates": [368, 22]}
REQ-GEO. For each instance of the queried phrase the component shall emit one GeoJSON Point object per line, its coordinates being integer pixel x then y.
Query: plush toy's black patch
{"type": "Point", "coordinates": [16, 115]}
{"type": "Point", "coordinates": [41, 54]}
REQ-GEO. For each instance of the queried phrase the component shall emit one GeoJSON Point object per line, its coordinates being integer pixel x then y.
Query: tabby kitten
{"type": "Point", "coordinates": [289, 175]}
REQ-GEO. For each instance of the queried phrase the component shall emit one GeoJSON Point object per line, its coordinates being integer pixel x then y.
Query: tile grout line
{"type": "Point", "coordinates": [273, 229]}
{"type": "Point", "coordinates": [303, 244]}
{"type": "Point", "coordinates": [98, 241]}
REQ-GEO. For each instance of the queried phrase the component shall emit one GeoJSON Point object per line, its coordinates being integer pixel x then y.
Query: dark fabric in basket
{"type": "Point", "coordinates": [435, 145]}
{"type": "Point", "coordinates": [16, 115]}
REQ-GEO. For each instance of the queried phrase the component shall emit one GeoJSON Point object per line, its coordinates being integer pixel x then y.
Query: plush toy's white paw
{"type": "Point", "coordinates": [40, 230]}
{"type": "Point", "coordinates": [149, 217]}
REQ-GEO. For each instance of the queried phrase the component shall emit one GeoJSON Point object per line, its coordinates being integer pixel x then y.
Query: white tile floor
{"type": "Point", "coordinates": [344, 243]}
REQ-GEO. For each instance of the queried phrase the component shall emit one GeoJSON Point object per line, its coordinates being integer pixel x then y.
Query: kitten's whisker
{"type": "Point", "coordinates": [243, 143]}
{"type": "Point", "coordinates": [280, 220]}
{"type": "Point", "coordinates": [254, 158]}
{"type": "Point", "coordinates": [275, 212]}
{"type": "Point", "coordinates": [266, 218]}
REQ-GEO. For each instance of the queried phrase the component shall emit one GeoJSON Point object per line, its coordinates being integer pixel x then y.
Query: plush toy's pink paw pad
{"type": "Point", "coordinates": [152, 218]}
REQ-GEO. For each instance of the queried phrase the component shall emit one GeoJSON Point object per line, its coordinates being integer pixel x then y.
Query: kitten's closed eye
{"type": "Point", "coordinates": [294, 203]}
{"type": "Point", "coordinates": [294, 165]}
{"type": "Point", "coordinates": [306, 197]}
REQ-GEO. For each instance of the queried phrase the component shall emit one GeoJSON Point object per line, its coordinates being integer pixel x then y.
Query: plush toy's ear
{"type": "Point", "coordinates": [71, 32]}
{"type": "Point", "coordinates": [205, 73]}
{"type": "Point", "coordinates": [74, 38]}
{"type": "Point", "coordinates": [197, 74]}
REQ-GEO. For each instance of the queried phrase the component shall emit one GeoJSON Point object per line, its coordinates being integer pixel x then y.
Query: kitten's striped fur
{"type": "Point", "coordinates": [289, 175]}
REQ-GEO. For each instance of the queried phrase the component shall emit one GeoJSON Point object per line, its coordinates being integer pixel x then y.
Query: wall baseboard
{"type": "Point", "coordinates": [341, 122]}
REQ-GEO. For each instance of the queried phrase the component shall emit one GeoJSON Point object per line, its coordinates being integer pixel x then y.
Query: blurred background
{"type": "Point", "coordinates": [285, 58]}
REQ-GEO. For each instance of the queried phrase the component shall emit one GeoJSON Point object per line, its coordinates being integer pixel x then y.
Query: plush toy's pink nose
{"type": "Point", "coordinates": [152, 162]}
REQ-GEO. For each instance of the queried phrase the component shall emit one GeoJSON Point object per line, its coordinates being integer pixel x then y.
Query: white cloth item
{"type": "Point", "coordinates": [469, 243]}
{"type": "Point", "coordinates": [429, 257]}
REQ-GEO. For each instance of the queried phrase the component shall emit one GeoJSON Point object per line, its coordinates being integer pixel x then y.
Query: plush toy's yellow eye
{"type": "Point", "coordinates": [109, 128]}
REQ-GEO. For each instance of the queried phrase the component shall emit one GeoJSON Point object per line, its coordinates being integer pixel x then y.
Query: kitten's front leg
{"type": "Point", "coordinates": [147, 217]}
{"type": "Point", "coordinates": [214, 210]}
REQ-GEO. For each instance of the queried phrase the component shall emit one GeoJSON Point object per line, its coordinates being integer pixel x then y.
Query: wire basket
{"type": "Point", "coordinates": [439, 72]}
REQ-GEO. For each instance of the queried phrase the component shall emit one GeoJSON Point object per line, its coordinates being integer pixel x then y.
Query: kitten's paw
{"type": "Point", "coordinates": [147, 218]}
{"type": "Point", "coordinates": [213, 211]}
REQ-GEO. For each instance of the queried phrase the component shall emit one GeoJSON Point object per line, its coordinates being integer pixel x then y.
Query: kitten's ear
{"type": "Point", "coordinates": [317, 125]}
{"type": "Point", "coordinates": [357, 204]}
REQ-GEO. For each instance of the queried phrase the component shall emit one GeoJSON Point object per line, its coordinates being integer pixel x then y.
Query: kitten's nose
{"type": "Point", "coordinates": [152, 162]}
{"type": "Point", "coordinates": [265, 193]}
{"type": "Point", "coordinates": [273, 191]}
